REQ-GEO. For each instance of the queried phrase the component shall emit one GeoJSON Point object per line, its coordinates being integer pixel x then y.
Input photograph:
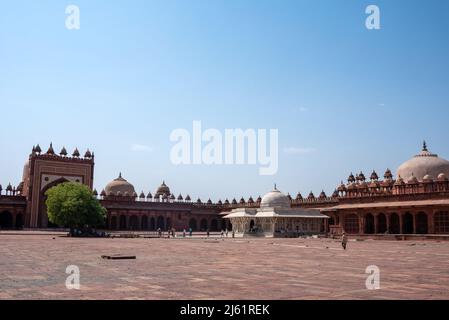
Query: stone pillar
{"type": "Point", "coordinates": [401, 221]}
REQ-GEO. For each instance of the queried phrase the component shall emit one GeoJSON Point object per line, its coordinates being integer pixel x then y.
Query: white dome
{"type": "Point", "coordinates": [423, 164]}
{"type": "Point", "coordinates": [275, 199]}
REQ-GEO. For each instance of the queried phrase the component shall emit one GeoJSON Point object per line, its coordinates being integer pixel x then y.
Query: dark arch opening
{"type": "Point", "coordinates": [134, 223]}
{"type": "Point", "coordinates": [122, 222]}
{"type": "Point", "coordinates": [113, 223]}
{"type": "Point", "coordinates": [214, 225]}
{"type": "Point", "coordinates": [421, 223]}
{"type": "Point", "coordinates": [203, 225]}
{"type": "Point", "coordinates": [160, 223]}
{"type": "Point", "coordinates": [408, 223]}
{"type": "Point", "coordinates": [369, 224]}
{"type": "Point", "coordinates": [19, 221]}
{"type": "Point", "coordinates": [381, 223]}
{"type": "Point", "coordinates": [395, 227]}
{"type": "Point", "coordinates": [152, 224]}
{"type": "Point", "coordinates": [144, 223]}
{"type": "Point", "coordinates": [6, 220]}
{"type": "Point", "coordinates": [193, 224]}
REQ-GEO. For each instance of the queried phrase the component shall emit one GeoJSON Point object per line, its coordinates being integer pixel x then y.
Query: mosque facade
{"type": "Point", "coordinates": [414, 201]}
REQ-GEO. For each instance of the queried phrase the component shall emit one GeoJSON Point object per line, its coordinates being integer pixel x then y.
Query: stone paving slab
{"type": "Point", "coordinates": [33, 267]}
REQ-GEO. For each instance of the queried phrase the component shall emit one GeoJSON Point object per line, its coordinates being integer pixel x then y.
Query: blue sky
{"type": "Point", "coordinates": [350, 98]}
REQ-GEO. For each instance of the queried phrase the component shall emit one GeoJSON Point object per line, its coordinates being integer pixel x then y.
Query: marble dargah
{"type": "Point", "coordinates": [413, 200]}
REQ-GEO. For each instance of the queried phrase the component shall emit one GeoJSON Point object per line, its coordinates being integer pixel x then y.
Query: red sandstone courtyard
{"type": "Point", "coordinates": [32, 266]}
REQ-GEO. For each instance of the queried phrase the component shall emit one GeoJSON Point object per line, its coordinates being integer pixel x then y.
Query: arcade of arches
{"type": "Point", "coordinates": [153, 222]}
{"type": "Point", "coordinates": [395, 222]}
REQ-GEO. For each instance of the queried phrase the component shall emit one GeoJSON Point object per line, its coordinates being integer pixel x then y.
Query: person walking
{"type": "Point", "coordinates": [222, 234]}
{"type": "Point", "coordinates": [159, 232]}
{"type": "Point", "coordinates": [190, 232]}
{"type": "Point", "coordinates": [208, 233]}
{"type": "Point", "coordinates": [344, 240]}
{"type": "Point", "coordinates": [184, 233]}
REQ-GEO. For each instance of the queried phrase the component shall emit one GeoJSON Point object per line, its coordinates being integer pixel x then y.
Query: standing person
{"type": "Point", "coordinates": [208, 233]}
{"type": "Point", "coordinates": [222, 233]}
{"type": "Point", "coordinates": [159, 232]}
{"type": "Point", "coordinates": [226, 232]}
{"type": "Point", "coordinates": [233, 234]}
{"type": "Point", "coordinates": [184, 233]}
{"type": "Point", "coordinates": [344, 240]}
{"type": "Point", "coordinates": [190, 232]}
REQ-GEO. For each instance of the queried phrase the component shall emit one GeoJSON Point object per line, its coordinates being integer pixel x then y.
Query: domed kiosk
{"type": "Point", "coordinates": [275, 218]}
{"type": "Point", "coordinates": [422, 165]}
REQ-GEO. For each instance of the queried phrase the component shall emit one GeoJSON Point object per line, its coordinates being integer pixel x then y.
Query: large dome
{"type": "Point", "coordinates": [423, 164]}
{"type": "Point", "coordinates": [275, 199]}
{"type": "Point", "coordinates": [119, 186]}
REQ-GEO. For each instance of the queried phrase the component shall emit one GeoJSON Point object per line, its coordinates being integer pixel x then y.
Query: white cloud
{"type": "Point", "coordinates": [295, 150]}
{"type": "Point", "coordinates": [141, 148]}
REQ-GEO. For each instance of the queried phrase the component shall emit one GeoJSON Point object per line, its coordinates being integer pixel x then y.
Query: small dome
{"type": "Point", "coordinates": [162, 190]}
{"type": "Point", "coordinates": [63, 152]}
{"type": "Point", "coordinates": [119, 185]}
{"type": "Point", "coordinates": [50, 150]}
{"type": "Point", "coordinates": [311, 196]}
{"type": "Point", "coordinates": [142, 195]}
{"type": "Point", "coordinates": [351, 178]}
{"type": "Point", "coordinates": [209, 202]}
{"type": "Point", "coordinates": [412, 180]}
{"type": "Point", "coordinates": [180, 197]}
{"type": "Point", "coordinates": [299, 196]}
{"type": "Point", "coordinates": [399, 181]}
{"type": "Point", "coordinates": [88, 154]}
{"type": "Point", "coordinates": [388, 175]}
{"type": "Point", "coordinates": [275, 199]}
{"type": "Point", "coordinates": [423, 164]}
{"type": "Point", "coordinates": [374, 175]}
{"type": "Point", "coordinates": [76, 153]}
{"type": "Point", "coordinates": [188, 198]}
{"type": "Point", "coordinates": [442, 177]}
{"type": "Point", "coordinates": [427, 178]}
{"type": "Point", "coordinates": [323, 195]}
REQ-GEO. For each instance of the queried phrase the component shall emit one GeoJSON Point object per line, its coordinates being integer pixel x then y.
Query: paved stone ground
{"type": "Point", "coordinates": [32, 266]}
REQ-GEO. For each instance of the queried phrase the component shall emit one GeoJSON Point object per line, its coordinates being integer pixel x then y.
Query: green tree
{"type": "Point", "coordinates": [74, 205]}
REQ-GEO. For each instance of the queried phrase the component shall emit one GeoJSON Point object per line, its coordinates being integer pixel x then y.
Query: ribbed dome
{"type": "Point", "coordinates": [275, 199]}
{"type": "Point", "coordinates": [423, 164]}
{"type": "Point", "coordinates": [119, 186]}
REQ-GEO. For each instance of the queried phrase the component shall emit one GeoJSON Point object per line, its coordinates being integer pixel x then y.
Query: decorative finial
{"type": "Point", "coordinates": [424, 146]}
{"type": "Point", "coordinates": [120, 175]}
{"type": "Point", "coordinates": [275, 187]}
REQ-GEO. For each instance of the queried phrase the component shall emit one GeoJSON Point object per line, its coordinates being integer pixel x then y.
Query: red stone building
{"type": "Point", "coordinates": [416, 202]}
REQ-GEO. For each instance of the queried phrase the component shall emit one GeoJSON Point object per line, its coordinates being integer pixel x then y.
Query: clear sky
{"type": "Point", "coordinates": [343, 97]}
